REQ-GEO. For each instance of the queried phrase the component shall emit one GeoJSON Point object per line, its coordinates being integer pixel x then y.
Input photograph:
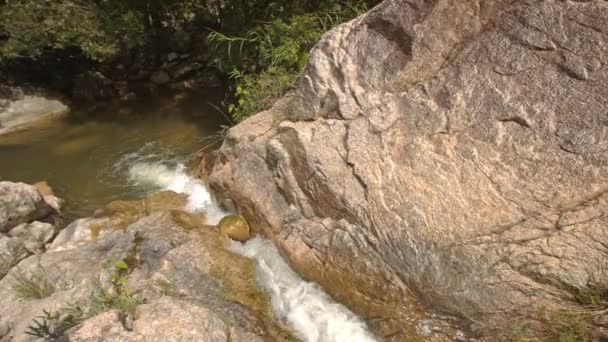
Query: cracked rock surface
{"type": "Point", "coordinates": [176, 281]}
{"type": "Point", "coordinates": [448, 152]}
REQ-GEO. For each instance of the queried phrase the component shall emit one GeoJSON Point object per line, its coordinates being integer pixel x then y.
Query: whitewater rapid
{"type": "Point", "coordinates": [312, 315]}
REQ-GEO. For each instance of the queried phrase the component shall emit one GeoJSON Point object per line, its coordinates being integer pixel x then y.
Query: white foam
{"type": "Point", "coordinates": [176, 179]}
{"type": "Point", "coordinates": [302, 305]}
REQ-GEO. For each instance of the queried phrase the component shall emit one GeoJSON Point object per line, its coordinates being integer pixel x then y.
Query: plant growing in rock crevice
{"type": "Point", "coordinates": [53, 323]}
{"type": "Point", "coordinates": [31, 286]}
{"type": "Point", "coordinates": [118, 296]}
{"type": "Point", "coordinates": [576, 324]}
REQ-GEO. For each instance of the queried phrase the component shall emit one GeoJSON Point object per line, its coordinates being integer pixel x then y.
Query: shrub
{"type": "Point", "coordinates": [97, 29]}
{"type": "Point", "coordinates": [265, 61]}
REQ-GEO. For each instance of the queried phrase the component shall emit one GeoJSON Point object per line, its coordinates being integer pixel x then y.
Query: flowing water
{"type": "Point", "coordinates": [303, 306]}
{"type": "Point", "coordinates": [94, 158]}
{"type": "Point", "coordinates": [86, 156]}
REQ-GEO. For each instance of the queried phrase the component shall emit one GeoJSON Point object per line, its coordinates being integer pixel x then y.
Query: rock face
{"type": "Point", "coordinates": [454, 149]}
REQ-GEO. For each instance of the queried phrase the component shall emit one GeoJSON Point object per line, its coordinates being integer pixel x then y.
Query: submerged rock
{"type": "Point", "coordinates": [235, 227]}
{"type": "Point", "coordinates": [22, 107]}
{"type": "Point", "coordinates": [93, 86]}
{"type": "Point", "coordinates": [465, 165]}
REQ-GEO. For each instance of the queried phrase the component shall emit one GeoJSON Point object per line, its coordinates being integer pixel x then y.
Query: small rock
{"type": "Point", "coordinates": [180, 41]}
{"type": "Point", "coordinates": [235, 227]}
{"type": "Point", "coordinates": [129, 97]}
{"type": "Point", "coordinates": [93, 86]}
{"type": "Point", "coordinates": [12, 250]}
{"type": "Point", "coordinates": [49, 195]}
{"type": "Point", "coordinates": [34, 235]}
{"type": "Point", "coordinates": [44, 188]}
{"type": "Point", "coordinates": [160, 77]}
{"type": "Point", "coordinates": [20, 203]}
{"type": "Point", "coordinates": [172, 56]}
{"type": "Point", "coordinates": [140, 75]}
{"type": "Point", "coordinates": [186, 69]}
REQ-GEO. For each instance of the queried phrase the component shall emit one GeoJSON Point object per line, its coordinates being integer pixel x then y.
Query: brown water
{"type": "Point", "coordinates": [86, 156]}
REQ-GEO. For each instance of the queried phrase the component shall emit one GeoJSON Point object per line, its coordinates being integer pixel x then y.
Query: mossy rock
{"type": "Point", "coordinates": [235, 227]}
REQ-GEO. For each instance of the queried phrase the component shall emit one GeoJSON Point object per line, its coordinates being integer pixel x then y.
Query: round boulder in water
{"type": "Point", "coordinates": [235, 227]}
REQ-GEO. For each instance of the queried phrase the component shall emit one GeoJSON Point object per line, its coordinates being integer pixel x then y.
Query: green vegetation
{"type": "Point", "coordinates": [53, 323]}
{"type": "Point", "coordinates": [261, 45]}
{"type": "Point", "coordinates": [265, 60]}
{"type": "Point", "coordinates": [98, 29]}
{"type": "Point", "coordinates": [118, 297]}
{"type": "Point", "coordinates": [566, 325]}
{"type": "Point", "coordinates": [31, 286]}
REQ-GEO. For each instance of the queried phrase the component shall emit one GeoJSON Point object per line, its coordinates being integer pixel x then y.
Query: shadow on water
{"type": "Point", "coordinates": [78, 153]}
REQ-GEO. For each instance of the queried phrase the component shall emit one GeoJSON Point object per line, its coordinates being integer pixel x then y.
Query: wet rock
{"type": "Point", "coordinates": [467, 163]}
{"type": "Point", "coordinates": [186, 69]}
{"type": "Point", "coordinates": [74, 145]}
{"type": "Point", "coordinates": [93, 86]}
{"type": "Point", "coordinates": [205, 79]}
{"type": "Point", "coordinates": [172, 56]}
{"type": "Point", "coordinates": [21, 203]}
{"type": "Point", "coordinates": [235, 227]}
{"type": "Point", "coordinates": [44, 188]}
{"type": "Point", "coordinates": [160, 78]}
{"type": "Point", "coordinates": [49, 196]}
{"type": "Point", "coordinates": [180, 41]}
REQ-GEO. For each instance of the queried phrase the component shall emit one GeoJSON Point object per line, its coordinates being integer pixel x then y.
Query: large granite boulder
{"type": "Point", "coordinates": [449, 152]}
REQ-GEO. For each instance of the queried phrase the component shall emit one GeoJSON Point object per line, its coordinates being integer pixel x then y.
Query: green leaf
{"type": "Point", "coordinates": [121, 265]}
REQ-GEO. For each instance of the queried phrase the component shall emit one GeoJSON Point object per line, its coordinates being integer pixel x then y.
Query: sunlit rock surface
{"type": "Point", "coordinates": [449, 151]}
